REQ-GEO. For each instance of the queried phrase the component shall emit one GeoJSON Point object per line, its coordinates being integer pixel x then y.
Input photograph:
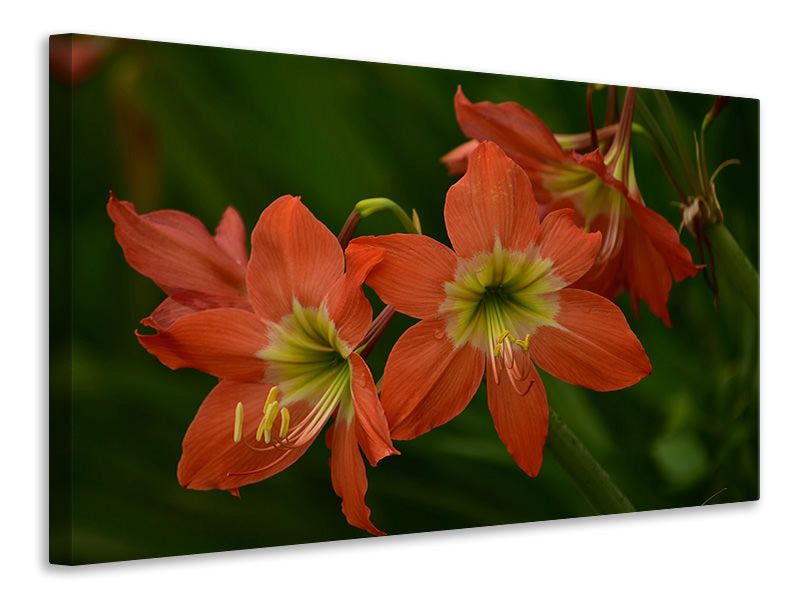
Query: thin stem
{"type": "Point", "coordinates": [735, 263]}
{"type": "Point", "coordinates": [639, 129]}
{"type": "Point", "coordinates": [376, 330]}
{"type": "Point", "coordinates": [349, 228]}
{"type": "Point", "coordinates": [672, 125]}
{"type": "Point", "coordinates": [663, 142]}
{"type": "Point", "coordinates": [611, 106]}
{"type": "Point", "coordinates": [370, 206]}
{"type": "Point", "coordinates": [590, 478]}
{"type": "Point", "coordinates": [713, 113]}
{"type": "Point", "coordinates": [590, 114]}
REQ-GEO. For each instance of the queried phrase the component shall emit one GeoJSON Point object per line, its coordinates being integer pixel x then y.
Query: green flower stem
{"type": "Point", "coordinates": [370, 206]}
{"type": "Point", "coordinates": [590, 478]}
{"type": "Point", "coordinates": [735, 263]}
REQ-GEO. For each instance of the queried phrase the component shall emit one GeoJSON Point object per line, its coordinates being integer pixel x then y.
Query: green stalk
{"type": "Point", "coordinates": [735, 263]}
{"type": "Point", "coordinates": [589, 477]}
{"type": "Point", "coordinates": [370, 206]}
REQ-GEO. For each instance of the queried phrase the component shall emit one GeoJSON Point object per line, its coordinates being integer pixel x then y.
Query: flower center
{"type": "Point", "coordinates": [496, 302]}
{"type": "Point", "coordinates": [304, 354]}
{"type": "Point", "coordinates": [603, 208]}
{"type": "Point", "coordinates": [308, 359]}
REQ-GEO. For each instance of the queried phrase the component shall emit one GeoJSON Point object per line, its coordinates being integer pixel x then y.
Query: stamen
{"type": "Point", "coordinates": [273, 393]}
{"type": "Point", "coordinates": [506, 334]}
{"type": "Point", "coordinates": [284, 423]}
{"type": "Point", "coordinates": [524, 343]}
{"type": "Point", "coordinates": [237, 423]}
{"type": "Point", "coordinates": [261, 428]}
{"type": "Point", "coordinates": [271, 414]}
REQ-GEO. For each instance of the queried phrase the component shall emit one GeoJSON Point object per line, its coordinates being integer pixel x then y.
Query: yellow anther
{"type": "Point", "coordinates": [415, 220]}
{"type": "Point", "coordinates": [237, 423]}
{"type": "Point", "coordinates": [503, 336]}
{"type": "Point", "coordinates": [261, 427]}
{"type": "Point", "coordinates": [524, 343]}
{"type": "Point", "coordinates": [273, 393]}
{"type": "Point", "coordinates": [284, 423]}
{"type": "Point", "coordinates": [272, 412]}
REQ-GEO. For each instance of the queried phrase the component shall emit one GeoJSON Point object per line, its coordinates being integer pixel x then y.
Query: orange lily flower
{"type": "Point", "coordinates": [293, 362]}
{"type": "Point", "coordinates": [197, 271]}
{"type": "Point", "coordinates": [498, 300]}
{"type": "Point", "coordinates": [641, 251]}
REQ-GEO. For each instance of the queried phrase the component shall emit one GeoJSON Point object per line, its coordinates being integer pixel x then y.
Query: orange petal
{"type": "Point", "coordinates": [166, 314]}
{"type": "Point", "coordinates": [220, 341]}
{"type": "Point", "coordinates": [519, 132]}
{"type": "Point", "coordinates": [493, 200]}
{"type": "Point", "coordinates": [209, 453]}
{"type": "Point", "coordinates": [593, 347]}
{"type": "Point", "coordinates": [176, 251]}
{"type": "Point", "coordinates": [665, 239]}
{"type": "Point", "coordinates": [456, 160]}
{"type": "Point", "coordinates": [293, 255]}
{"type": "Point", "coordinates": [646, 272]}
{"type": "Point", "coordinates": [521, 421]}
{"type": "Point", "coordinates": [571, 250]}
{"type": "Point", "coordinates": [349, 475]}
{"type": "Point", "coordinates": [411, 274]}
{"type": "Point", "coordinates": [607, 279]}
{"type": "Point", "coordinates": [371, 427]}
{"type": "Point", "coordinates": [232, 237]}
{"type": "Point", "coordinates": [427, 381]}
{"type": "Point", "coordinates": [347, 304]}
{"type": "Point", "coordinates": [187, 302]}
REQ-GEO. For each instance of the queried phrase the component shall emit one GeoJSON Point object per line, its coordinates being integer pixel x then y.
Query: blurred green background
{"type": "Point", "coordinates": [198, 129]}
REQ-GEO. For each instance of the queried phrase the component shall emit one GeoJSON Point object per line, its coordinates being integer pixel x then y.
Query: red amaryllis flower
{"type": "Point", "coordinates": [198, 271]}
{"type": "Point", "coordinates": [641, 251]}
{"type": "Point", "coordinates": [293, 362]}
{"type": "Point", "coordinates": [499, 300]}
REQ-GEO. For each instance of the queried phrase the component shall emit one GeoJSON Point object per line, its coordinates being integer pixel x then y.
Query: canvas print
{"type": "Point", "coordinates": [297, 299]}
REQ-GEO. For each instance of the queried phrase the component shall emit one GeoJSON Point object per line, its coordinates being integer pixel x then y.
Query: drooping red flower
{"type": "Point", "coordinates": [641, 252]}
{"type": "Point", "coordinates": [500, 301]}
{"type": "Point", "coordinates": [293, 362]}
{"type": "Point", "coordinates": [197, 271]}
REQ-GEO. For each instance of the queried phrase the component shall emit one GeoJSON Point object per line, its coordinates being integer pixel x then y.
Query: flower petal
{"type": "Point", "coordinates": [571, 250]}
{"type": "Point", "coordinates": [665, 239]}
{"type": "Point", "coordinates": [349, 475]}
{"type": "Point", "coordinates": [371, 427]}
{"type": "Point", "coordinates": [593, 345]}
{"type": "Point", "coordinates": [231, 236]}
{"type": "Point", "coordinates": [187, 302]}
{"type": "Point", "coordinates": [210, 455]}
{"type": "Point", "coordinates": [166, 314]}
{"type": "Point", "coordinates": [457, 159]}
{"type": "Point", "coordinates": [347, 304]}
{"type": "Point", "coordinates": [427, 381]}
{"type": "Point", "coordinates": [411, 274]}
{"type": "Point", "coordinates": [176, 251]}
{"type": "Point", "coordinates": [521, 421]}
{"type": "Point", "coordinates": [220, 341]}
{"type": "Point", "coordinates": [519, 132]}
{"type": "Point", "coordinates": [646, 272]}
{"type": "Point", "coordinates": [493, 200]}
{"type": "Point", "coordinates": [293, 255]}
